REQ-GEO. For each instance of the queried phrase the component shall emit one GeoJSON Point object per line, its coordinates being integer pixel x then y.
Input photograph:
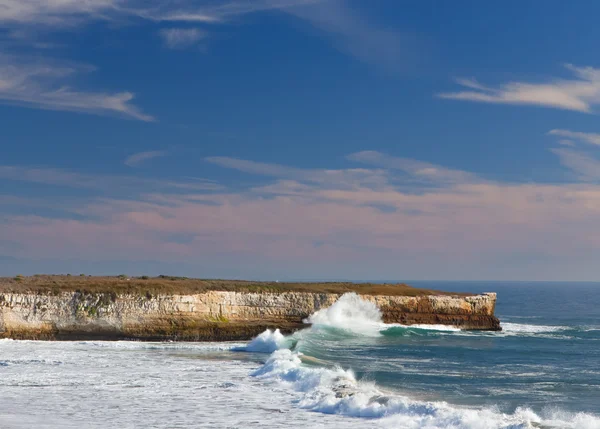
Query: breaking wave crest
{"type": "Point", "coordinates": [337, 391]}
{"type": "Point", "coordinates": [351, 313]}
{"type": "Point", "coordinates": [267, 342]}
{"type": "Point", "coordinates": [334, 390]}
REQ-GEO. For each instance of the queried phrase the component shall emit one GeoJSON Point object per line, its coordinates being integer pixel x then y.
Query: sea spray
{"type": "Point", "coordinates": [337, 391]}
{"type": "Point", "coordinates": [334, 390]}
{"type": "Point", "coordinates": [351, 313]}
{"type": "Point", "coordinates": [267, 342]}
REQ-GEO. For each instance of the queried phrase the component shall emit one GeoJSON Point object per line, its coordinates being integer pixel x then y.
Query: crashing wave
{"type": "Point", "coordinates": [337, 391]}
{"type": "Point", "coordinates": [350, 313]}
{"type": "Point", "coordinates": [267, 342]}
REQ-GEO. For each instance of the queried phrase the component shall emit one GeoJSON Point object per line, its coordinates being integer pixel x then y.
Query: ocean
{"type": "Point", "coordinates": [348, 370]}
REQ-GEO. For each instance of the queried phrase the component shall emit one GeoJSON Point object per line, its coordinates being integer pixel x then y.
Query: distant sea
{"type": "Point", "coordinates": [348, 370]}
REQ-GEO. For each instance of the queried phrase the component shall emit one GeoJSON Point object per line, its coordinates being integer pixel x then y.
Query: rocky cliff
{"type": "Point", "coordinates": [212, 315]}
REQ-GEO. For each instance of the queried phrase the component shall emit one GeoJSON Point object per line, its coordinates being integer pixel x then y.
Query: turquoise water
{"type": "Point", "coordinates": [547, 356]}
{"type": "Point", "coordinates": [542, 370]}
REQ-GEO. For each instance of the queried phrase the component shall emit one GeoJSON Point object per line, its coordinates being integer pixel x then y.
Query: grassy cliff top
{"type": "Point", "coordinates": [180, 285]}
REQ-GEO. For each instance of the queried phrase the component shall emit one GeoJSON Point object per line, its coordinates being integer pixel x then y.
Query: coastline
{"type": "Point", "coordinates": [177, 309]}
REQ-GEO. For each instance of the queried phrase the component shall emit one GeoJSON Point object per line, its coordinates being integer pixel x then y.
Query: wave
{"type": "Point", "coordinates": [267, 342]}
{"type": "Point", "coordinates": [521, 328]}
{"type": "Point", "coordinates": [350, 312]}
{"type": "Point", "coordinates": [395, 330]}
{"type": "Point", "coordinates": [334, 390]}
{"type": "Point", "coordinates": [353, 314]}
{"type": "Point", "coordinates": [337, 391]}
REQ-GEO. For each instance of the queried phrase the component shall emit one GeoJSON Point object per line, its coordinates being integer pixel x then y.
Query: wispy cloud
{"type": "Point", "coordinates": [361, 218]}
{"type": "Point", "coordinates": [589, 138]}
{"type": "Point", "coordinates": [580, 153]}
{"type": "Point", "coordinates": [108, 183]}
{"type": "Point", "coordinates": [48, 85]}
{"type": "Point", "coordinates": [69, 13]}
{"type": "Point", "coordinates": [418, 170]}
{"type": "Point", "coordinates": [351, 33]}
{"type": "Point", "coordinates": [340, 177]}
{"type": "Point", "coordinates": [585, 165]}
{"type": "Point", "coordinates": [180, 38]}
{"type": "Point", "coordinates": [137, 159]}
{"type": "Point", "coordinates": [44, 85]}
{"type": "Point", "coordinates": [346, 27]}
{"type": "Point", "coordinates": [54, 12]}
{"type": "Point", "coordinates": [582, 93]}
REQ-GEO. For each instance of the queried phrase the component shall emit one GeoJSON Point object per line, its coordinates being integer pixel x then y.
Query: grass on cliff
{"type": "Point", "coordinates": [169, 285]}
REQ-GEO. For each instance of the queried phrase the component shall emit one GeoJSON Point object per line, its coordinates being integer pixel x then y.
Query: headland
{"type": "Point", "coordinates": [50, 307]}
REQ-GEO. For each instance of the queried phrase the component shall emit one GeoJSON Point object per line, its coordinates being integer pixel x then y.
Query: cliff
{"type": "Point", "coordinates": [212, 314]}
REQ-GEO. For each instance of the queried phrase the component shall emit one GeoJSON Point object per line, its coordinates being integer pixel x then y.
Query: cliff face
{"type": "Point", "coordinates": [213, 315]}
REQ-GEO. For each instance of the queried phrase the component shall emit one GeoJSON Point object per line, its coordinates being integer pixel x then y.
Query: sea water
{"type": "Point", "coordinates": [347, 370]}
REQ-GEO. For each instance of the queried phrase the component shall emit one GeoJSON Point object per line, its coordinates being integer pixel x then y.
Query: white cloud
{"type": "Point", "coordinates": [44, 85]}
{"type": "Point", "coordinates": [589, 138]}
{"type": "Point", "coordinates": [348, 29]}
{"type": "Point", "coordinates": [104, 184]}
{"type": "Point", "coordinates": [466, 223]}
{"type": "Point", "coordinates": [586, 166]}
{"type": "Point", "coordinates": [419, 170]}
{"type": "Point", "coordinates": [138, 158]}
{"type": "Point", "coordinates": [67, 13]}
{"type": "Point", "coordinates": [179, 38]}
{"type": "Point", "coordinates": [54, 12]}
{"type": "Point", "coordinates": [580, 94]}
{"type": "Point", "coordinates": [341, 178]}
{"type": "Point", "coordinates": [566, 142]}
{"type": "Point", "coordinates": [584, 161]}
{"type": "Point", "coordinates": [351, 33]}
{"type": "Point", "coordinates": [47, 86]}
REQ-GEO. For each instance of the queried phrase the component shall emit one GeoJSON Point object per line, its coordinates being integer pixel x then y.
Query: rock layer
{"type": "Point", "coordinates": [213, 315]}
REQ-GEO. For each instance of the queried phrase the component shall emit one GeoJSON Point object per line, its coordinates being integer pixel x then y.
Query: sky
{"type": "Point", "coordinates": [301, 139]}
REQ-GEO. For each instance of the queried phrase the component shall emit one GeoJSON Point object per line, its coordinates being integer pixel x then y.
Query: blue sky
{"type": "Point", "coordinates": [300, 139]}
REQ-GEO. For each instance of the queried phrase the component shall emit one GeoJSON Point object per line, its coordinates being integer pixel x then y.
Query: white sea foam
{"type": "Point", "coordinates": [141, 345]}
{"type": "Point", "coordinates": [267, 342]}
{"type": "Point", "coordinates": [126, 388]}
{"type": "Point", "coordinates": [422, 327]}
{"type": "Point", "coordinates": [336, 391]}
{"type": "Point", "coordinates": [521, 328]}
{"type": "Point", "coordinates": [352, 313]}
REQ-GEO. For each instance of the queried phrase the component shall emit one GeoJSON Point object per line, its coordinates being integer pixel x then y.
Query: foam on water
{"type": "Point", "coordinates": [140, 345]}
{"type": "Point", "coordinates": [350, 313]}
{"type": "Point", "coordinates": [267, 342]}
{"type": "Point", "coordinates": [353, 314]}
{"type": "Point", "coordinates": [397, 330]}
{"type": "Point", "coordinates": [337, 391]}
{"type": "Point", "coordinates": [521, 328]}
{"type": "Point", "coordinates": [333, 390]}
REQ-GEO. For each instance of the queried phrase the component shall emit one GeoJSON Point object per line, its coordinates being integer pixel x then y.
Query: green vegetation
{"type": "Point", "coordinates": [171, 277]}
{"type": "Point", "coordinates": [149, 287]}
